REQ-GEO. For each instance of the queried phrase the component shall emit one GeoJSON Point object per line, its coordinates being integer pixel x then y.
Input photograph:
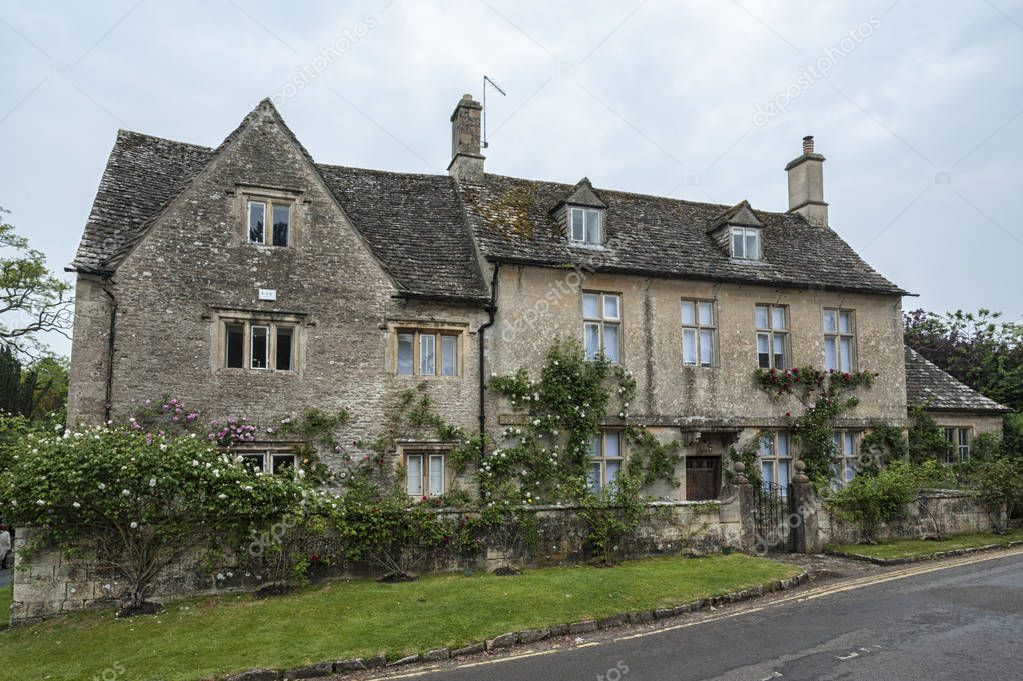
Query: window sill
{"type": "Point", "coordinates": [587, 247]}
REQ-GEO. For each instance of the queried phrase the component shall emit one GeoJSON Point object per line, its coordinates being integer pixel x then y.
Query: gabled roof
{"type": "Point", "coordinates": [740, 214]}
{"type": "Point", "coordinates": [658, 236]}
{"type": "Point", "coordinates": [414, 224]}
{"type": "Point", "coordinates": [929, 386]}
{"type": "Point", "coordinates": [582, 194]}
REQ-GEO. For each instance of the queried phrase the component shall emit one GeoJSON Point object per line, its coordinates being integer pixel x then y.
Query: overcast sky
{"type": "Point", "coordinates": [918, 106]}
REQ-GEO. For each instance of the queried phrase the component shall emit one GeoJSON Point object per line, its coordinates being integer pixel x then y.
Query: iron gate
{"type": "Point", "coordinates": [772, 513]}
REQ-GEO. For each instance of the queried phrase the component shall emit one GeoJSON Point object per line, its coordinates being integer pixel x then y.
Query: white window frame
{"type": "Point", "coordinates": [267, 463]}
{"type": "Point", "coordinates": [269, 205]}
{"type": "Point", "coordinates": [426, 460]}
{"type": "Point", "coordinates": [771, 453]}
{"type": "Point", "coordinates": [699, 329]}
{"type": "Point", "coordinates": [583, 211]}
{"type": "Point", "coordinates": [836, 336]}
{"type": "Point", "coordinates": [746, 233]}
{"type": "Point", "coordinates": [601, 322]}
{"type": "Point", "coordinates": [418, 335]}
{"type": "Point", "coordinates": [600, 458]}
{"type": "Point", "coordinates": [960, 439]}
{"type": "Point", "coordinates": [846, 460]}
{"type": "Point", "coordinates": [771, 332]}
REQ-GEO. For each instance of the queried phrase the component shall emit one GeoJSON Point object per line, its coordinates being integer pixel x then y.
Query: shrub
{"type": "Point", "coordinates": [1000, 484]}
{"type": "Point", "coordinates": [612, 516]}
{"type": "Point", "coordinates": [140, 502]}
{"type": "Point", "coordinates": [871, 500]}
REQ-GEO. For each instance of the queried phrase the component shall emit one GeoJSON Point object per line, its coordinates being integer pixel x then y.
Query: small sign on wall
{"type": "Point", "coordinates": [267, 294]}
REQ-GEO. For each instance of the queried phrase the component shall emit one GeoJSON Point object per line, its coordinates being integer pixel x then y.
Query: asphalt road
{"type": "Point", "coordinates": [963, 622]}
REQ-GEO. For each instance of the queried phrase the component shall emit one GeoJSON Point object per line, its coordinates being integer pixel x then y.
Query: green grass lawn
{"type": "Point", "coordinates": [910, 548]}
{"type": "Point", "coordinates": [202, 638]}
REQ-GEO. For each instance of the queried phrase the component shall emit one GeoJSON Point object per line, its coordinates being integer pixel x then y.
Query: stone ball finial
{"type": "Point", "coordinates": [800, 475]}
{"type": "Point", "coordinates": [740, 467]}
{"type": "Point", "coordinates": [800, 465]}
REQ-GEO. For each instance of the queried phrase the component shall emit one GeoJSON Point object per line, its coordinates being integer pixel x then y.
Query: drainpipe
{"type": "Point", "coordinates": [491, 312]}
{"type": "Point", "coordinates": [111, 334]}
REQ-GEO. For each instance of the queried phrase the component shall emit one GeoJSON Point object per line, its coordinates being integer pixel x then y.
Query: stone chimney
{"type": "Point", "coordinates": [466, 160]}
{"type": "Point", "coordinates": [806, 185]}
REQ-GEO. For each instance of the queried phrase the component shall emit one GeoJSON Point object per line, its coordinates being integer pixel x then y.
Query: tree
{"type": "Point", "coordinates": [979, 349]}
{"type": "Point", "coordinates": [32, 300]}
{"type": "Point", "coordinates": [34, 392]}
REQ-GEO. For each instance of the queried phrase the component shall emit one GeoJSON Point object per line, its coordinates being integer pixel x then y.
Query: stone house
{"type": "Point", "coordinates": [251, 280]}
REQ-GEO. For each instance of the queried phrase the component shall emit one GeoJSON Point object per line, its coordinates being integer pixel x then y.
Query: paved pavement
{"type": "Point", "coordinates": [927, 621]}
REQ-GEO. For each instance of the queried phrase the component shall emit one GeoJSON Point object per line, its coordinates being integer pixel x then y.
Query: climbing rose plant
{"type": "Point", "coordinates": [139, 501]}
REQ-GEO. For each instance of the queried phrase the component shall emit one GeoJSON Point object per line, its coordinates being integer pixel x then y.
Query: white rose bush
{"type": "Point", "coordinates": [139, 501]}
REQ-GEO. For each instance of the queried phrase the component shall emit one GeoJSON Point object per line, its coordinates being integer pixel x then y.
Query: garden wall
{"type": "Point", "coordinates": [936, 512]}
{"type": "Point", "coordinates": [48, 584]}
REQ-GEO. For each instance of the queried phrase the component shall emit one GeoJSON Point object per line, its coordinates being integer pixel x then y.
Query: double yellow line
{"type": "Point", "coordinates": [807, 595]}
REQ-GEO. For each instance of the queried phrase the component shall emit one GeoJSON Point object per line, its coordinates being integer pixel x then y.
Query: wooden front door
{"type": "Point", "coordinates": [703, 477]}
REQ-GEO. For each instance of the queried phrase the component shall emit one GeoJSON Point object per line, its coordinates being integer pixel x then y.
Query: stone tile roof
{"type": "Point", "coordinates": [929, 386]}
{"type": "Point", "coordinates": [658, 236]}
{"type": "Point", "coordinates": [413, 223]}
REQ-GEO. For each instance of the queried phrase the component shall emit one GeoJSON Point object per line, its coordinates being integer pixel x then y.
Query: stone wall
{"type": "Point", "coordinates": [937, 511]}
{"type": "Point", "coordinates": [48, 584]}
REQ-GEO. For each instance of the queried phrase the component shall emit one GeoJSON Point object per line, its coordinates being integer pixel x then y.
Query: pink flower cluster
{"type": "Point", "coordinates": [232, 430]}
{"type": "Point", "coordinates": [177, 411]}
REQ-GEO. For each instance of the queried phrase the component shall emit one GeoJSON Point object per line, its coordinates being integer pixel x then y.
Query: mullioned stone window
{"type": "Point", "coordinates": [253, 342]}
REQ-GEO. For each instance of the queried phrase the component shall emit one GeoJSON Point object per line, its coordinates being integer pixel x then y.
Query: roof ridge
{"type": "Point", "coordinates": [124, 132]}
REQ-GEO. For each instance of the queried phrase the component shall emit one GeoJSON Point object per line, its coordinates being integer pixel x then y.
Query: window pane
{"type": "Point", "coordinates": [611, 342]}
{"type": "Point", "coordinates": [611, 469]}
{"type": "Point", "coordinates": [577, 224]}
{"type": "Point", "coordinates": [610, 307]}
{"type": "Point", "coordinates": [778, 317]}
{"type": "Point", "coordinates": [783, 444]}
{"type": "Point", "coordinates": [849, 443]}
{"type": "Point", "coordinates": [253, 462]}
{"type": "Point", "coordinates": [235, 350]}
{"type": "Point", "coordinates": [612, 445]}
{"type": "Point", "coordinates": [282, 221]}
{"type": "Point", "coordinates": [783, 472]}
{"type": "Point", "coordinates": [761, 317]}
{"type": "Point", "coordinates": [593, 227]}
{"type": "Point", "coordinates": [845, 322]}
{"type": "Point", "coordinates": [830, 323]}
{"type": "Point", "coordinates": [593, 478]}
{"type": "Point", "coordinates": [752, 244]}
{"type": "Point", "coordinates": [707, 314]}
{"type": "Point", "coordinates": [591, 306]}
{"type": "Point", "coordinates": [448, 355]}
{"type": "Point", "coordinates": [591, 339]}
{"type": "Point", "coordinates": [836, 438]}
{"type": "Point", "coordinates": [766, 446]}
{"type": "Point", "coordinates": [414, 475]}
{"type": "Point", "coordinates": [436, 475]}
{"type": "Point", "coordinates": [427, 354]}
{"type": "Point", "coordinates": [767, 470]}
{"type": "Point", "coordinates": [595, 446]}
{"type": "Point", "coordinates": [831, 353]}
{"type": "Point", "coordinates": [689, 346]}
{"type": "Point", "coordinates": [850, 470]}
{"type": "Point", "coordinates": [284, 348]}
{"type": "Point", "coordinates": [405, 353]}
{"type": "Point", "coordinates": [257, 213]}
{"type": "Point", "coordinates": [846, 354]}
{"type": "Point", "coordinates": [260, 347]}
{"type": "Point", "coordinates": [779, 350]}
{"type": "Point", "coordinates": [964, 436]}
{"type": "Point", "coordinates": [764, 350]}
{"type": "Point", "coordinates": [282, 464]}
{"type": "Point", "coordinates": [707, 347]}
{"type": "Point", "coordinates": [737, 249]}
{"type": "Point", "coordinates": [688, 313]}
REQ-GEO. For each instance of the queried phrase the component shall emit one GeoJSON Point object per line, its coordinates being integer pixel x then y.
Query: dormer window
{"type": "Point", "coordinates": [274, 234]}
{"type": "Point", "coordinates": [746, 243]}
{"type": "Point", "coordinates": [585, 226]}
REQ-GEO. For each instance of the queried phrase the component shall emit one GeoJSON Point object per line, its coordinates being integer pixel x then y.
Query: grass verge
{"type": "Point", "coordinates": [5, 604]}
{"type": "Point", "coordinates": [202, 638]}
{"type": "Point", "coordinates": [914, 548]}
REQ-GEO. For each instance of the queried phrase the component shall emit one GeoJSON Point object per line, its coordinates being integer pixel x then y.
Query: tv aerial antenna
{"type": "Point", "coordinates": [486, 80]}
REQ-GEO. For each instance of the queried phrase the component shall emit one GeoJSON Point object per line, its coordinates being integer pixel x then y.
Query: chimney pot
{"type": "Point", "coordinates": [808, 144]}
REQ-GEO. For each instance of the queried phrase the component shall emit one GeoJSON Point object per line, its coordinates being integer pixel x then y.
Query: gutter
{"type": "Point", "coordinates": [111, 336]}
{"type": "Point", "coordinates": [481, 332]}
